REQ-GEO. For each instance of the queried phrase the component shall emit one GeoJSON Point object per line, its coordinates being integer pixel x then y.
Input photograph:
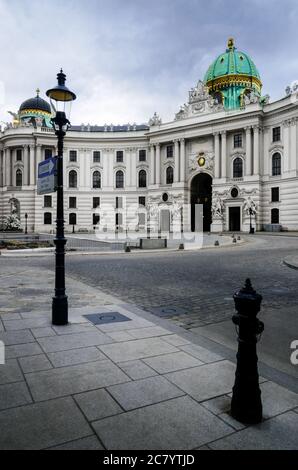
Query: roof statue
{"type": "Point", "coordinates": [155, 120]}
{"type": "Point", "coordinates": [199, 102]}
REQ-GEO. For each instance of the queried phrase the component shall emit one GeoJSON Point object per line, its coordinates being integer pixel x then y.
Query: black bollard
{"type": "Point", "coordinates": [246, 405]}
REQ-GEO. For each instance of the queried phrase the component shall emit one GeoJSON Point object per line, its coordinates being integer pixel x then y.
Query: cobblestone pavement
{"type": "Point", "coordinates": [200, 283]}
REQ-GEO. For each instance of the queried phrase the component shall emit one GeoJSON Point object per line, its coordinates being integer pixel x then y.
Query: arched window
{"type": "Point", "coordinates": [73, 179]}
{"type": "Point", "coordinates": [47, 218]}
{"type": "Point", "coordinates": [19, 178]}
{"type": "Point", "coordinates": [238, 168]}
{"type": "Point", "coordinates": [142, 179]}
{"type": "Point", "coordinates": [96, 180]}
{"type": "Point", "coordinates": [275, 216]}
{"type": "Point", "coordinates": [276, 164]}
{"type": "Point", "coordinates": [72, 219]}
{"type": "Point", "coordinates": [119, 179]}
{"type": "Point", "coordinates": [170, 175]}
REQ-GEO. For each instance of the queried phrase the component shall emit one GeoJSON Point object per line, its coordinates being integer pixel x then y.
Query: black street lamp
{"type": "Point", "coordinates": [60, 95]}
{"type": "Point", "coordinates": [26, 225]}
{"type": "Point", "coordinates": [251, 229]}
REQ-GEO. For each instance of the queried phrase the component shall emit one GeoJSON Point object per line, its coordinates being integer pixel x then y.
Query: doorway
{"type": "Point", "coordinates": [201, 193]}
{"type": "Point", "coordinates": [234, 219]}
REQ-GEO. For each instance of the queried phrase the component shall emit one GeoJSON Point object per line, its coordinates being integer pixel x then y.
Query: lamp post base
{"type": "Point", "coordinates": [60, 311]}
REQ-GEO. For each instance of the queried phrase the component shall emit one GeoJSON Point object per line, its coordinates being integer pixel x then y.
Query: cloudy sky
{"type": "Point", "coordinates": [126, 59]}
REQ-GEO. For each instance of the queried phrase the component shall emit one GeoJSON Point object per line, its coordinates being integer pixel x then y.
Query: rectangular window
{"type": "Point", "coordinates": [142, 201]}
{"type": "Point", "coordinates": [170, 151]}
{"type": "Point", "coordinates": [19, 156]}
{"type": "Point", "coordinates": [95, 219]}
{"type": "Point", "coordinates": [96, 156]}
{"type": "Point", "coordinates": [237, 140]}
{"type": "Point", "coordinates": [274, 194]}
{"type": "Point", "coordinates": [72, 202]}
{"type": "Point", "coordinates": [96, 202]}
{"type": "Point", "coordinates": [119, 156]}
{"type": "Point", "coordinates": [72, 155]}
{"type": "Point", "coordinates": [118, 202]}
{"type": "Point", "coordinates": [142, 155]}
{"type": "Point", "coordinates": [48, 153]}
{"type": "Point", "coordinates": [276, 134]}
{"type": "Point", "coordinates": [47, 201]}
{"type": "Point", "coordinates": [118, 220]}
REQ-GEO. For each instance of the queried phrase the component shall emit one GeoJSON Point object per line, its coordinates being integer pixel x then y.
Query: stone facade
{"type": "Point", "coordinates": [249, 153]}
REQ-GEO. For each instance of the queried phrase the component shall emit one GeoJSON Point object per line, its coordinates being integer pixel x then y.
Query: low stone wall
{"type": "Point", "coordinates": [153, 243]}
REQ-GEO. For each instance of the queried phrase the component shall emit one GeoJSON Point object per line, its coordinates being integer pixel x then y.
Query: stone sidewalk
{"type": "Point", "coordinates": [135, 384]}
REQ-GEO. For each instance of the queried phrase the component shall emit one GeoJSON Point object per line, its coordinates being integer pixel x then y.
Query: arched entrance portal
{"type": "Point", "coordinates": [201, 193]}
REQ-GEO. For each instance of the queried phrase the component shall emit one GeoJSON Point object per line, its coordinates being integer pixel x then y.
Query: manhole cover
{"type": "Point", "coordinates": [103, 318]}
{"type": "Point", "coordinates": [168, 310]}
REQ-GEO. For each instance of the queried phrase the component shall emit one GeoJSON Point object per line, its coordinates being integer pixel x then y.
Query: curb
{"type": "Point", "coordinates": [290, 264]}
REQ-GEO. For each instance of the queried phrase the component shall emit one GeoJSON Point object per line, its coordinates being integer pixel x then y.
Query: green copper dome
{"type": "Point", "coordinates": [232, 75]}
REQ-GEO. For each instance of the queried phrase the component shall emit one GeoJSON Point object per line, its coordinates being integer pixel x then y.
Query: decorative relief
{"type": "Point", "coordinates": [250, 207]}
{"type": "Point", "coordinates": [195, 161]}
{"type": "Point", "coordinates": [199, 102]}
{"type": "Point", "coordinates": [217, 208]}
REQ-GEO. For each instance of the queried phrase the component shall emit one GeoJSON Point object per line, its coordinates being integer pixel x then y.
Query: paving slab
{"type": "Point", "coordinates": [74, 379]}
{"type": "Point", "coordinates": [176, 340]}
{"type": "Point", "coordinates": [73, 341]}
{"type": "Point", "coordinates": [74, 328]}
{"type": "Point", "coordinates": [10, 372]}
{"type": "Point", "coordinates": [137, 369]}
{"type": "Point", "coordinates": [97, 404]}
{"type": "Point", "coordinates": [207, 381]}
{"type": "Point", "coordinates": [177, 424]}
{"type": "Point", "coordinates": [144, 392]}
{"type": "Point", "coordinates": [172, 362]}
{"type": "Point", "coordinates": [277, 399]}
{"type": "Point", "coordinates": [15, 325]}
{"type": "Point", "coordinates": [43, 332]}
{"type": "Point", "coordinates": [148, 332]}
{"type": "Point", "coordinates": [138, 349]}
{"type": "Point", "coordinates": [14, 394]}
{"type": "Point", "coordinates": [200, 353]}
{"type": "Point", "coordinates": [22, 350]}
{"type": "Point", "coordinates": [278, 433]}
{"type": "Point", "coordinates": [218, 405]}
{"type": "Point", "coordinates": [16, 337]}
{"type": "Point", "coordinates": [35, 363]}
{"type": "Point", "coordinates": [76, 356]}
{"type": "Point", "coordinates": [42, 425]}
{"type": "Point", "coordinates": [87, 443]}
{"type": "Point", "coordinates": [120, 336]}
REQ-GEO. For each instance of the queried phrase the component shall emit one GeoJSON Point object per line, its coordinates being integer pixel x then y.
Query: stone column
{"type": "Point", "coordinates": [1, 168]}
{"type": "Point", "coordinates": [128, 164]}
{"type": "Point", "coordinates": [293, 144]}
{"type": "Point", "coordinates": [133, 163]}
{"type": "Point", "coordinates": [105, 170]}
{"type": "Point", "coordinates": [223, 154]}
{"type": "Point", "coordinates": [26, 165]}
{"type": "Point", "coordinates": [266, 150]}
{"type": "Point", "coordinates": [176, 169]}
{"type": "Point", "coordinates": [182, 160]}
{"type": "Point", "coordinates": [286, 153]}
{"type": "Point", "coordinates": [157, 166]}
{"type": "Point", "coordinates": [32, 165]}
{"type": "Point", "coordinates": [248, 159]}
{"type": "Point", "coordinates": [152, 164]}
{"type": "Point", "coordinates": [256, 131]}
{"type": "Point", "coordinates": [8, 174]}
{"type": "Point", "coordinates": [216, 155]}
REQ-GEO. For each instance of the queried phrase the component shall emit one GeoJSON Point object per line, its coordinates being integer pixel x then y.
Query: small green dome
{"type": "Point", "coordinates": [232, 75]}
{"type": "Point", "coordinates": [232, 62]}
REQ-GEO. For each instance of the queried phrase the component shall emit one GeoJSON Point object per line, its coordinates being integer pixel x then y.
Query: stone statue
{"type": "Point", "coordinates": [217, 208]}
{"type": "Point", "coordinates": [155, 120]}
{"type": "Point", "coordinates": [250, 206]}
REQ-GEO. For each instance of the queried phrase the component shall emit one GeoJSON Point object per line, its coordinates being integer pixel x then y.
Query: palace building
{"type": "Point", "coordinates": [228, 148]}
